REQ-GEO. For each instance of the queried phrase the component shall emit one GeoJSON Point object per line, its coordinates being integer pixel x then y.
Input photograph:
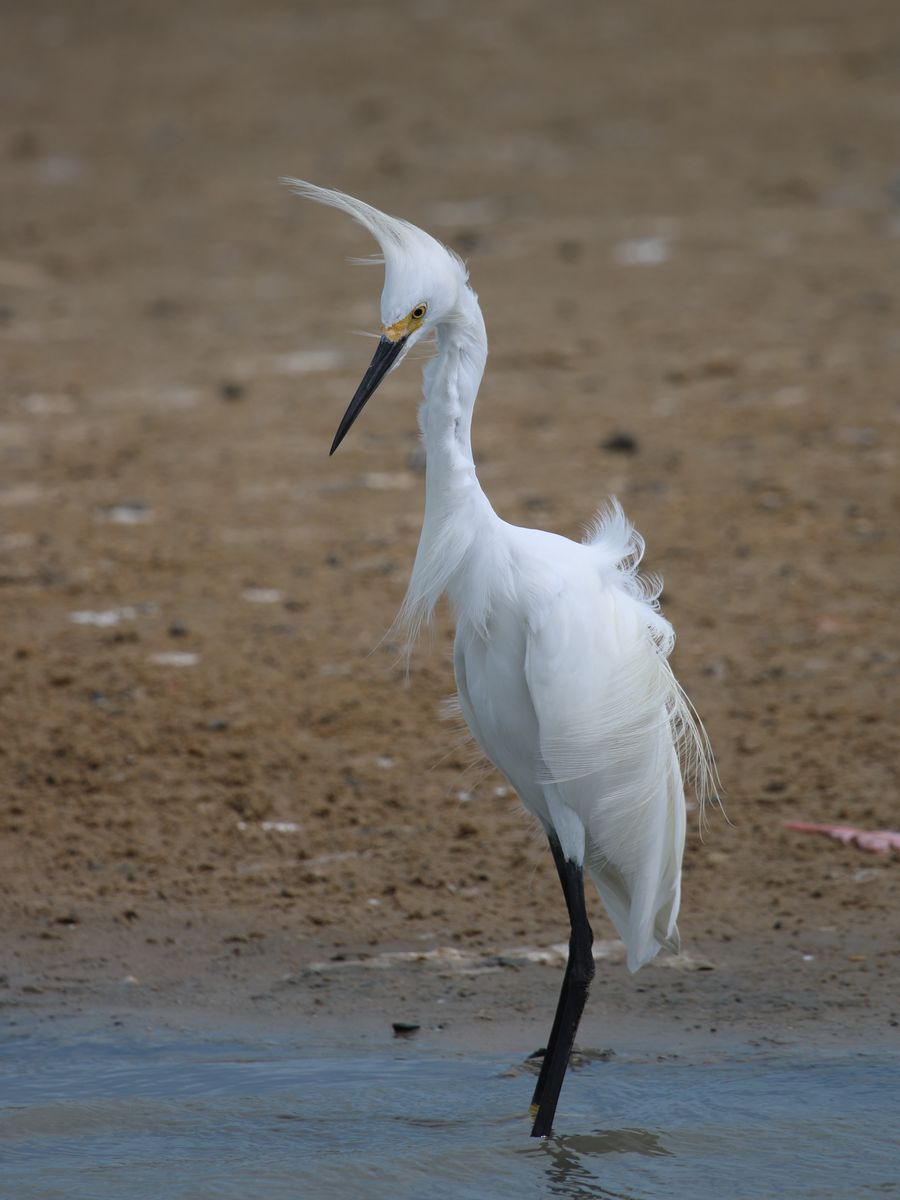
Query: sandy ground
{"type": "Point", "coordinates": [684, 226]}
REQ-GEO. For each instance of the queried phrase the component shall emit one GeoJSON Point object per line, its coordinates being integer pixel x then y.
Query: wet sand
{"type": "Point", "coordinates": [685, 233]}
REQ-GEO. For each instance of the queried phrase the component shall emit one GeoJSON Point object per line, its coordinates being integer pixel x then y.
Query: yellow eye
{"type": "Point", "coordinates": [419, 312]}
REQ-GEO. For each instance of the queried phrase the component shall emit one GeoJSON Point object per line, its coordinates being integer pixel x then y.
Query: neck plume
{"type": "Point", "coordinates": [458, 516]}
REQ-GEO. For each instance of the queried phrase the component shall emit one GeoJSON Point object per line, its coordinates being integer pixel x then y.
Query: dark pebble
{"type": "Point", "coordinates": [620, 443]}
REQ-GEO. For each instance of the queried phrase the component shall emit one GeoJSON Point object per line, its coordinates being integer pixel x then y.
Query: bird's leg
{"type": "Point", "coordinates": [573, 994]}
{"type": "Point", "coordinates": [560, 861]}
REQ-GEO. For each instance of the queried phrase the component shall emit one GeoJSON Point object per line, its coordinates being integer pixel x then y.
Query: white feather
{"type": "Point", "coordinates": [561, 651]}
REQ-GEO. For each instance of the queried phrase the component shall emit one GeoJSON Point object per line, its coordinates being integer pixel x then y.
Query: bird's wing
{"type": "Point", "coordinates": [607, 709]}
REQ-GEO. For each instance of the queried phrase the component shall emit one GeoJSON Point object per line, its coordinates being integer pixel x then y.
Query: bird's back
{"type": "Point", "coordinates": [568, 690]}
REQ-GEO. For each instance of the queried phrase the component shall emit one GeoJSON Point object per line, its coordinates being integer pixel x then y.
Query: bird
{"type": "Point", "coordinates": [561, 651]}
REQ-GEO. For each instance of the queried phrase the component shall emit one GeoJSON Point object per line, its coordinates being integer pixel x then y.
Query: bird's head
{"type": "Point", "coordinates": [423, 281]}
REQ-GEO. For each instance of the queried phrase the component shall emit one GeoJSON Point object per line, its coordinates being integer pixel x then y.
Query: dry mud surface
{"type": "Point", "coordinates": [684, 226]}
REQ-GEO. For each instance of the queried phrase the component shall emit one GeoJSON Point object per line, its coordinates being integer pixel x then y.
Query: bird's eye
{"type": "Point", "coordinates": [419, 312]}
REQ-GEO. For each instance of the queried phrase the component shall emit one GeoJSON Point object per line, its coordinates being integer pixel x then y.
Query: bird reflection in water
{"type": "Point", "coordinates": [570, 1172]}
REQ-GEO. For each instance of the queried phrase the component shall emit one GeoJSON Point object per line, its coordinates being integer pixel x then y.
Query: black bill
{"type": "Point", "coordinates": [382, 361]}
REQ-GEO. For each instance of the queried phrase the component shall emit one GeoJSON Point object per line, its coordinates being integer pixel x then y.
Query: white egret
{"type": "Point", "coordinates": [560, 654]}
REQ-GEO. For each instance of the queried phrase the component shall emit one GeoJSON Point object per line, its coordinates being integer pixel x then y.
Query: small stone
{"type": "Point", "coordinates": [620, 443]}
{"type": "Point", "coordinates": [404, 1029]}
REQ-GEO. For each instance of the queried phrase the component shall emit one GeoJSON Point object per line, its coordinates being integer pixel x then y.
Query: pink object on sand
{"type": "Point", "coordinates": [877, 841]}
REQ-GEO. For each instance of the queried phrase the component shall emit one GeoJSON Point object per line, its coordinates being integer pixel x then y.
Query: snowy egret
{"type": "Point", "coordinates": [561, 653]}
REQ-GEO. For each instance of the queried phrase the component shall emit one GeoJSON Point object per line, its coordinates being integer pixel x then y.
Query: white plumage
{"type": "Point", "coordinates": [568, 691]}
{"type": "Point", "coordinates": [561, 652]}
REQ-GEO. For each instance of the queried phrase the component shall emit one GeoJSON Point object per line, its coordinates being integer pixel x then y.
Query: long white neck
{"type": "Point", "coordinates": [450, 387]}
{"type": "Point", "coordinates": [458, 516]}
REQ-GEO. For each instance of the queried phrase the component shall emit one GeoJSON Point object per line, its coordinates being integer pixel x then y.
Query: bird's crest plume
{"type": "Point", "coordinates": [404, 246]}
{"type": "Point", "coordinates": [388, 232]}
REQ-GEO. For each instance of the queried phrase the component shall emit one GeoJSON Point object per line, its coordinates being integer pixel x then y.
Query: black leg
{"type": "Point", "coordinates": [572, 996]}
{"type": "Point", "coordinates": [560, 862]}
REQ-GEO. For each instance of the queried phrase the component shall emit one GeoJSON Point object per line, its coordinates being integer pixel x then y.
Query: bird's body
{"type": "Point", "coordinates": [565, 692]}
{"type": "Point", "coordinates": [560, 654]}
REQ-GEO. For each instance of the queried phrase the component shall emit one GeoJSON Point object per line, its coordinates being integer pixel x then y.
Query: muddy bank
{"type": "Point", "coordinates": [685, 238]}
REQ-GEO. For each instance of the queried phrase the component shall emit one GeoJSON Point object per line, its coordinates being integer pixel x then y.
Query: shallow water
{"type": "Point", "coordinates": [117, 1115]}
